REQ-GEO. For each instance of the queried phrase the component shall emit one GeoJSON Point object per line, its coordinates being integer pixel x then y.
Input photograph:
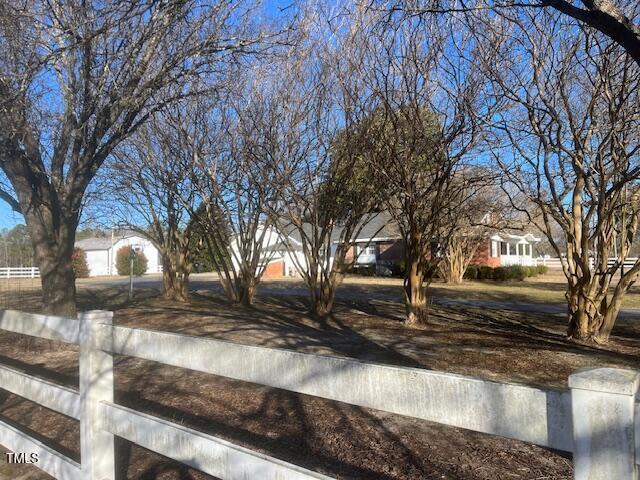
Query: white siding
{"type": "Point", "coordinates": [291, 262]}
{"type": "Point", "coordinates": [271, 238]}
{"type": "Point", "coordinates": [98, 262]}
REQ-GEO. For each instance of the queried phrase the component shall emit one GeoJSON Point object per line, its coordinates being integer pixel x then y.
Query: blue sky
{"type": "Point", "coordinates": [8, 218]}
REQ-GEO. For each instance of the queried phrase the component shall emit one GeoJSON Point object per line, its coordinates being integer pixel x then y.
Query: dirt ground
{"type": "Point", "coordinates": [339, 440]}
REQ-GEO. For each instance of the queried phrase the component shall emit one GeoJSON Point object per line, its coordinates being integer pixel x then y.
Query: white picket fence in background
{"type": "Point", "coordinates": [555, 262]}
{"type": "Point", "coordinates": [551, 262]}
{"type": "Point", "coordinates": [596, 419]}
{"type": "Point", "coordinates": [19, 272]}
{"type": "Point", "coordinates": [628, 262]}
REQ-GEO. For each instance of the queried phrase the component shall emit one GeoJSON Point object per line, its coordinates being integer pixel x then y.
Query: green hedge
{"type": "Point", "coordinates": [513, 272]}
{"type": "Point", "coordinates": [471, 273]}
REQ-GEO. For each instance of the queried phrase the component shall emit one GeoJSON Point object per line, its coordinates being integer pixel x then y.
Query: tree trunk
{"type": "Point", "coordinates": [58, 283]}
{"type": "Point", "coordinates": [229, 289]}
{"type": "Point", "coordinates": [415, 297]}
{"type": "Point", "coordinates": [240, 290]}
{"type": "Point", "coordinates": [175, 281]}
{"type": "Point", "coordinates": [322, 307]}
{"type": "Point", "coordinates": [322, 301]}
{"type": "Point", "coordinates": [247, 290]}
{"type": "Point", "coordinates": [453, 269]}
{"type": "Point", "coordinates": [323, 292]}
{"type": "Point", "coordinates": [53, 246]}
{"type": "Point", "coordinates": [590, 320]}
{"type": "Point", "coordinates": [457, 256]}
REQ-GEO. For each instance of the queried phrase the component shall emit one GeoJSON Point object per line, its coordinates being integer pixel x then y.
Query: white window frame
{"type": "Point", "coordinates": [495, 248]}
{"type": "Point", "coordinates": [370, 249]}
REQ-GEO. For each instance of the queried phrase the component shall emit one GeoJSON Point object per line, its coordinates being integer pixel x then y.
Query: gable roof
{"type": "Point", "coordinates": [380, 227]}
{"type": "Point", "coordinates": [94, 243]}
{"type": "Point", "coordinates": [507, 235]}
{"type": "Point", "coordinates": [104, 242]}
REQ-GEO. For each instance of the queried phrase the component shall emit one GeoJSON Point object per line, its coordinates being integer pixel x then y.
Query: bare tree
{"type": "Point", "coordinates": [616, 19]}
{"type": "Point", "coordinates": [233, 188]}
{"type": "Point", "coordinates": [428, 102]}
{"type": "Point", "coordinates": [326, 194]}
{"type": "Point", "coordinates": [572, 136]}
{"type": "Point", "coordinates": [148, 189]}
{"type": "Point", "coordinates": [75, 80]}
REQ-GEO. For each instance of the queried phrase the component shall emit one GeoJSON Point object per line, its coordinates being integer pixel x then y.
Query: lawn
{"type": "Point", "coordinates": [548, 288]}
{"type": "Point", "coordinates": [544, 289]}
{"type": "Point", "coordinates": [337, 439]}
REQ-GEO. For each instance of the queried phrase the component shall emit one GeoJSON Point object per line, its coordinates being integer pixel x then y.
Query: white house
{"type": "Point", "coordinates": [513, 249]}
{"type": "Point", "coordinates": [280, 254]}
{"type": "Point", "coordinates": [101, 252]}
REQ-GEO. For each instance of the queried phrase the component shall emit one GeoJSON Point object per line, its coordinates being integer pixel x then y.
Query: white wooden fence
{"type": "Point", "coordinates": [19, 272]}
{"type": "Point", "coordinates": [595, 419]}
{"type": "Point", "coordinates": [551, 262]}
{"type": "Point", "coordinates": [555, 262]}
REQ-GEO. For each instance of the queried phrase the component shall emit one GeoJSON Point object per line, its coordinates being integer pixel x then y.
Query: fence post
{"type": "Point", "coordinates": [96, 385]}
{"type": "Point", "coordinates": [602, 409]}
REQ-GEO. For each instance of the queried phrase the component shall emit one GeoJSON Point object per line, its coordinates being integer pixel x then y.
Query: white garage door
{"type": "Point", "coordinates": [98, 262]}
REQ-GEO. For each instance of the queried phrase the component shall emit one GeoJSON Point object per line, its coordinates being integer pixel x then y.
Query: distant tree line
{"type": "Point", "coordinates": [16, 249]}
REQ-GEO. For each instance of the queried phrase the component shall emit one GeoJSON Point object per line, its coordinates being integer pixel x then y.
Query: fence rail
{"type": "Point", "coordinates": [551, 262]}
{"type": "Point", "coordinates": [209, 454]}
{"type": "Point", "coordinates": [596, 419]}
{"type": "Point", "coordinates": [55, 397]}
{"type": "Point", "coordinates": [555, 262]}
{"type": "Point", "coordinates": [49, 460]}
{"type": "Point", "coordinates": [444, 398]}
{"type": "Point", "coordinates": [19, 272]}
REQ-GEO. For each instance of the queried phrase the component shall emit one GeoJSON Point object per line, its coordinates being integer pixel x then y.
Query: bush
{"type": "Point", "coordinates": [500, 273]}
{"type": "Point", "coordinates": [123, 262]}
{"type": "Point", "coordinates": [518, 272]}
{"type": "Point", "coordinates": [485, 272]}
{"type": "Point", "coordinates": [471, 273]}
{"type": "Point", "coordinates": [79, 262]}
{"type": "Point", "coordinates": [513, 272]}
{"type": "Point", "coordinates": [398, 269]}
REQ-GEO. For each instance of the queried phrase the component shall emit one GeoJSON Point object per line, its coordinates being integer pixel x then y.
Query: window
{"type": "Point", "coordinates": [494, 248]}
{"type": "Point", "coordinates": [503, 248]}
{"type": "Point", "coordinates": [368, 250]}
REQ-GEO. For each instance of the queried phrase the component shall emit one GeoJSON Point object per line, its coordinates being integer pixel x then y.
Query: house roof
{"type": "Point", "coordinates": [379, 227]}
{"type": "Point", "coordinates": [276, 247]}
{"type": "Point", "coordinates": [104, 242]}
{"type": "Point", "coordinates": [529, 237]}
{"type": "Point", "coordinates": [94, 243]}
